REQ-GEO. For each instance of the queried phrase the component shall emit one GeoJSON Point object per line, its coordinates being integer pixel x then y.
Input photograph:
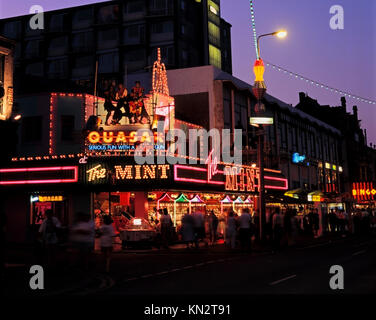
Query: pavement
{"type": "Point", "coordinates": [302, 269]}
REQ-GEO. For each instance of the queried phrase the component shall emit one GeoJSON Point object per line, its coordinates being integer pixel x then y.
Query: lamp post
{"type": "Point", "coordinates": [259, 121]}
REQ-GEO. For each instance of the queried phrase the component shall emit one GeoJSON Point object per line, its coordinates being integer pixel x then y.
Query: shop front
{"type": "Point", "coordinates": [117, 186]}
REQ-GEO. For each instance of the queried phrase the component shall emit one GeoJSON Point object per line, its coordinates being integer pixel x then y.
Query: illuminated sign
{"type": "Point", "coordinates": [363, 191]}
{"type": "Point", "coordinates": [111, 137]}
{"type": "Point", "coordinates": [261, 120]}
{"type": "Point", "coordinates": [43, 175]}
{"type": "Point", "coordinates": [340, 169]}
{"type": "Point", "coordinates": [96, 173]}
{"type": "Point", "coordinates": [50, 198]}
{"type": "Point", "coordinates": [212, 165]}
{"type": "Point", "coordinates": [230, 178]}
{"type": "Point", "coordinates": [327, 165]}
{"type": "Point", "coordinates": [99, 173]}
{"type": "Point", "coordinates": [297, 158]}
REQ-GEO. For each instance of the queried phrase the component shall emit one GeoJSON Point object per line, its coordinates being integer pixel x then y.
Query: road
{"type": "Point", "coordinates": [303, 270]}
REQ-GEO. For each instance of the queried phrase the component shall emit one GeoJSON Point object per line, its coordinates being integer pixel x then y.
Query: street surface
{"type": "Point", "coordinates": [211, 271]}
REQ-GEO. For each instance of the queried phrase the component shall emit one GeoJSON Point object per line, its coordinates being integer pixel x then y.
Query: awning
{"type": "Point", "coordinates": [316, 196]}
{"type": "Point", "coordinates": [296, 193]}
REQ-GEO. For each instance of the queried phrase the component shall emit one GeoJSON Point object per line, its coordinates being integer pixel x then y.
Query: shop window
{"type": "Point", "coordinates": [108, 14]}
{"type": "Point", "coordinates": [215, 56]}
{"type": "Point", "coordinates": [67, 127]}
{"type": "Point", "coordinates": [31, 129]}
{"type": "Point", "coordinates": [108, 63]}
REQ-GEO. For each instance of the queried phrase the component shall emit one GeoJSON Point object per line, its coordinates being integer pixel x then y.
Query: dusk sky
{"type": "Point", "coordinates": [343, 59]}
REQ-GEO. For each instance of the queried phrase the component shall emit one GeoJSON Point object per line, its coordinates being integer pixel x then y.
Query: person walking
{"type": "Point", "coordinates": [166, 226]}
{"type": "Point", "coordinates": [245, 221]}
{"type": "Point", "coordinates": [107, 233]}
{"type": "Point", "coordinates": [199, 227]}
{"type": "Point", "coordinates": [277, 225]}
{"type": "Point", "coordinates": [213, 226]}
{"type": "Point", "coordinates": [187, 230]}
{"type": "Point", "coordinates": [48, 231]}
{"type": "Point", "coordinates": [231, 230]}
{"type": "Point", "coordinates": [82, 237]}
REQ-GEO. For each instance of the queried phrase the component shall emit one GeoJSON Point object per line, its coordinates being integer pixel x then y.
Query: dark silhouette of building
{"type": "Point", "coordinates": [359, 158]}
{"type": "Point", "coordinates": [123, 36]}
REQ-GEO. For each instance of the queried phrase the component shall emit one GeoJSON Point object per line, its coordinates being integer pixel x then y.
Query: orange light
{"type": "Point", "coordinates": [258, 70]}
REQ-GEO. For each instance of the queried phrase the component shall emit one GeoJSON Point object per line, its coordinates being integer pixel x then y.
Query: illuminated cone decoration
{"type": "Point", "coordinates": [259, 87]}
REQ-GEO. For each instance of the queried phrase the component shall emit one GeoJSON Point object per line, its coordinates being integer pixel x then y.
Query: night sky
{"type": "Point", "coordinates": [343, 59]}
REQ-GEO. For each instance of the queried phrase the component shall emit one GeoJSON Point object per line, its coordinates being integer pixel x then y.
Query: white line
{"type": "Point", "coordinates": [281, 280]}
{"type": "Point", "coordinates": [359, 252]}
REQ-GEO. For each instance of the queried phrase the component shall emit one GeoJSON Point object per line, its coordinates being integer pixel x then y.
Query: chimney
{"type": "Point", "coordinates": [355, 112]}
{"type": "Point", "coordinates": [302, 97]}
{"type": "Point", "coordinates": [343, 103]}
{"type": "Point", "coordinates": [365, 137]}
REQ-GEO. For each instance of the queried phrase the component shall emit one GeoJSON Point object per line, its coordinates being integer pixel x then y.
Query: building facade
{"type": "Point", "coordinates": [122, 36]}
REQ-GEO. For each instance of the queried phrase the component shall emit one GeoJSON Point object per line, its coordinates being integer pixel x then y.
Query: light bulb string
{"type": "Point", "coordinates": [319, 84]}
{"type": "Point", "coordinates": [253, 22]}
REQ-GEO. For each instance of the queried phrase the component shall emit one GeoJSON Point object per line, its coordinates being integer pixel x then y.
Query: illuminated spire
{"type": "Point", "coordinates": [160, 84]}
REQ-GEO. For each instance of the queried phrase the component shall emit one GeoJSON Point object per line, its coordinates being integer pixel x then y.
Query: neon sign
{"type": "Point", "coordinates": [110, 137]}
{"type": "Point", "coordinates": [96, 173]}
{"type": "Point", "coordinates": [297, 158]}
{"type": "Point", "coordinates": [50, 198]}
{"type": "Point", "coordinates": [363, 191]}
{"type": "Point", "coordinates": [212, 164]}
{"type": "Point", "coordinates": [40, 175]}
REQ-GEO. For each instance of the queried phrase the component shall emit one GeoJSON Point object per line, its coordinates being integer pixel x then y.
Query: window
{"type": "Point", "coordinates": [182, 29]}
{"type": "Point", "coordinates": [108, 63]}
{"type": "Point", "coordinates": [82, 41]}
{"type": "Point", "coordinates": [161, 7]}
{"type": "Point", "coordinates": [162, 27]}
{"type": "Point", "coordinates": [31, 129]}
{"type": "Point", "coordinates": [135, 6]}
{"type": "Point", "coordinates": [214, 34]}
{"type": "Point", "coordinates": [58, 46]}
{"type": "Point", "coordinates": [108, 38]}
{"type": "Point", "coordinates": [135, 55]}
{"type": "Point", "coordinates": [12, 29]}
{"type": "Point", "coordinates": [83, 66]}
{"type": "Point", "coordinates": [134, 34]}
{"type": "Point", "coordinates": [215, 56]}
{"type": "Point", "coordinates": [167, 53]}
{"type": "Point", "coordinates": [57, 23]}
{"type": "Point", "coordinates": [67, 127]}
{"type": "Point", "coordinates": [32, 49]}
{"type": "Point", "coordinates": [34, 69]}
{"type": "Point", "coordinates": [182, 4]}
{"type": "Point", "coordinates": [58, 69]}
{"type": "Point", "coordinates": [82, 18]}
{"type": "Point", "coordinates": [108, 14]}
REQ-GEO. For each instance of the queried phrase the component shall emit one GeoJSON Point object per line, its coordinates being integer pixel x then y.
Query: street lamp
{"type": "Point", "coordinates": [260, 120]}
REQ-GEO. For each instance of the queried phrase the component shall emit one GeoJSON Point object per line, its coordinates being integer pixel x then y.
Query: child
{"type": "Point", "coordinates": [107, 233]}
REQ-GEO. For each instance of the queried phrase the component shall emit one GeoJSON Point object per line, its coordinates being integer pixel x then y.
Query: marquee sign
{"type": "Point", "coordinates": [41, 175]}
{"type": "Point", "coordinates": [229, 178]}
{"type": "Point", "coordinates": [363, 191]}
{"type": "Point", "coordinates": [120, 173]}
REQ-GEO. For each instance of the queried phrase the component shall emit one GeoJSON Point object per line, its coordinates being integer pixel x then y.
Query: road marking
{"type": "Point", "coordinates": [359, 252]}
{"type": "Point", "coordinates": [281, 280]}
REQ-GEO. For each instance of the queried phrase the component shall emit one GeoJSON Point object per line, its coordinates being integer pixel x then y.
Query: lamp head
{"type": "Point", "coordinates": [280, 34]}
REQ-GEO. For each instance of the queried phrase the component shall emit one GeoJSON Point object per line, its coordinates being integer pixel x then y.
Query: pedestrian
{"type": "Point", "coordinates": [277, 225]}
{"type": "Point", "coordinates": [294, 227]}
{"type": "Point", "coordinates": [245, 221]}
{"type": "Point", "coordinates": [82, 237]}
{"type": "Point", "coordinates": [48, 231]}
{"type": "Point", "coordinates": [199, 227]}
{"type": "Point", "coordinates": [213, 226]}
{"type": "Point", "coordinates": [231, 230]}
{"type": "Point", "coordinates": [187, 230]}
{"type": "Point", "coordinates": [316, 223]}
{"type": "Point", "coordinates": [166, 226]}
{"type": "Point", "coordinates": [107, 232]}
